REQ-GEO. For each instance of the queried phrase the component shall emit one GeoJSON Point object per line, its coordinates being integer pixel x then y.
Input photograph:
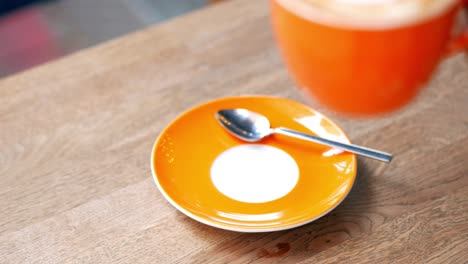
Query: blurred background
{"type": "Point", "coordinates": [34, 32]}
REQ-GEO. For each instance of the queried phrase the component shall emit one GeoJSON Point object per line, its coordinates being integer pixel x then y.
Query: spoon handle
{"type": "Point", "coordinates": [363, 151]}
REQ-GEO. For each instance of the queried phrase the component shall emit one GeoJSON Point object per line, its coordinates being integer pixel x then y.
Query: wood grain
{"type": "Point", "coordinates": [76, 136]}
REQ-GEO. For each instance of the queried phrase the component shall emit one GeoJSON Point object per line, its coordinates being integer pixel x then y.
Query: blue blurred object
{"type": "Point", "coordinates": [9, 5]}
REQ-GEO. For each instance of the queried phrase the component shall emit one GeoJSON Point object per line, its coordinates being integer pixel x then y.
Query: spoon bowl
{"type": "Point", "coordinates": [244, 124]}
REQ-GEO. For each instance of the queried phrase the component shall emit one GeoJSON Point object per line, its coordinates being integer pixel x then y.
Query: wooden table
{"type": "Point", "coordinates": [76, 137]}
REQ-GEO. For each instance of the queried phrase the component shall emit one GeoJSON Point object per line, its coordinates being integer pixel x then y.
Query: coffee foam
{"type": "Point", "coordinates": [367, 14]}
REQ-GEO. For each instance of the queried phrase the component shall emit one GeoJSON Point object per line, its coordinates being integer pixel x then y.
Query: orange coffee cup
{"type": "Point", "coordinates": [357, 61]}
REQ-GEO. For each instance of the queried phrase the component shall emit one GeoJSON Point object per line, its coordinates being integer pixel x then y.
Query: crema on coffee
{"type": "Point", "coordinates": [367, 14]}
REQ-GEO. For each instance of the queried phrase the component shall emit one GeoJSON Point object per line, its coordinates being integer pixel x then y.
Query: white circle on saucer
{"type": "Point", "coordinates": [254, 173]}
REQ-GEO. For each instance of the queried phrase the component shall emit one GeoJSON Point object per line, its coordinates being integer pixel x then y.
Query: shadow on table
{"type": "Point", "coordinates": [351, 218]}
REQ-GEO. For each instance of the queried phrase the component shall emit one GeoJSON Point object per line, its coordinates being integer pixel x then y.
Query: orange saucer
{"type": "Point", "coordinates": [275, 184]}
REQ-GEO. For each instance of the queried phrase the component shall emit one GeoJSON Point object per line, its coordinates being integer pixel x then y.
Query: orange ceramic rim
{"type": "Point", "coordinates": [185, 151]}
